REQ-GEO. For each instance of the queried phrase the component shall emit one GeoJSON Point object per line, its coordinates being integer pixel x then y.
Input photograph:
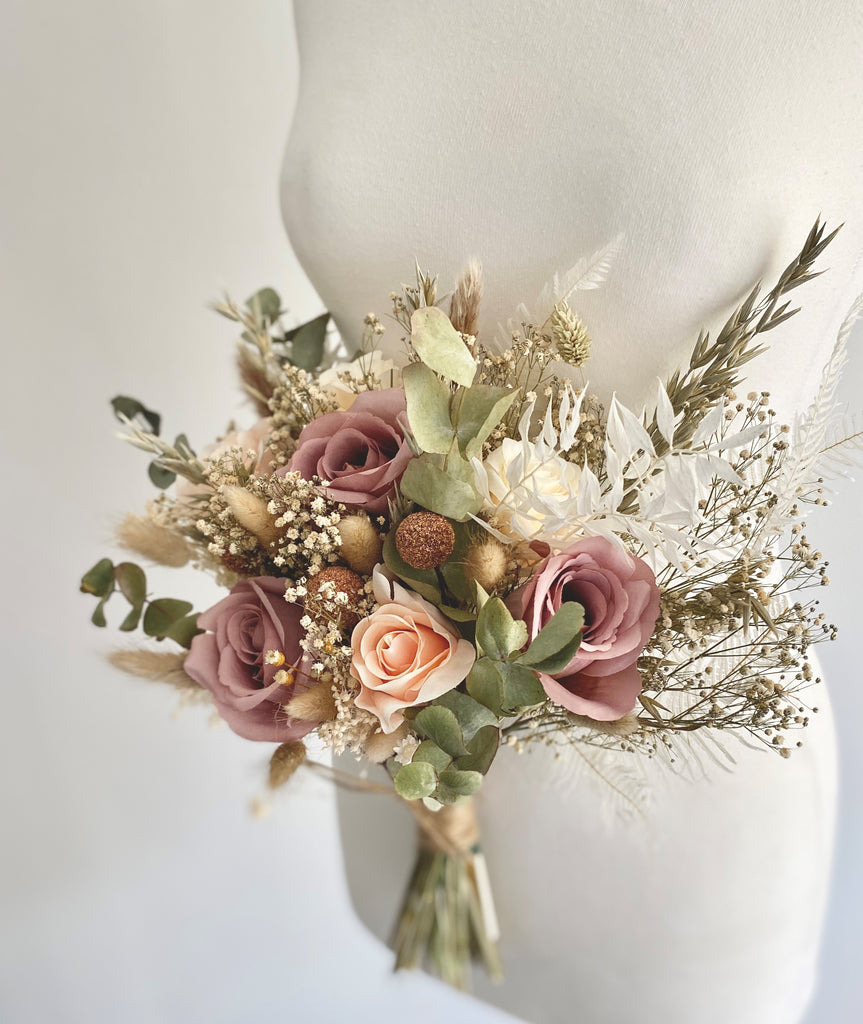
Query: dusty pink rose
{"type": "Point", "coordinates": [621, 605]}
{"type": "Point", "coordinates": [405, 653]}
{"type": "Point", "coordinates": [361, 453]}
{"type": "Point", "coordinates": [228, 660]}
{"type": "Point", "coordinates": [251, 440]}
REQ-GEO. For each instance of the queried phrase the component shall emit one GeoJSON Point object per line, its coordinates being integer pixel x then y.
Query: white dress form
{"type": "Point", "coordinates": [528, 135]}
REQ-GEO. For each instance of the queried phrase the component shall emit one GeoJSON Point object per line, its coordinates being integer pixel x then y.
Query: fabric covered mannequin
{"type": "Point", "coordinates": [528, 135]}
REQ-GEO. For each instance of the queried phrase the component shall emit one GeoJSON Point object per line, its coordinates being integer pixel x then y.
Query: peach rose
{"type": "Point", "coordinates": [405, 653]}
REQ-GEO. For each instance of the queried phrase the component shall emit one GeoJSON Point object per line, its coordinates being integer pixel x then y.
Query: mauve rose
{"type": "Point", "coordinates": [229, 659]}
{"type": "Point", "coordinates": [621, 605]}
{"type": "Point", "coordinates": [361, 453]}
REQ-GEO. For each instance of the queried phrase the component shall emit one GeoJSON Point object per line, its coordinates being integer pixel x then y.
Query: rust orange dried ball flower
{"type": "Point", "coordinates": [344, 581]}
{"type": "Point", "coordinates": [425, 540]}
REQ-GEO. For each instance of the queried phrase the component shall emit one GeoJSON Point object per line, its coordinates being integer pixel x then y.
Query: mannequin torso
{"type": "Point", "coordinates": [529, 135]}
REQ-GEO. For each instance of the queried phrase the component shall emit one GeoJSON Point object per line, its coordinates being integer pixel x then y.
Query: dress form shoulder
{"type": "Point", "coordinates": [528, 135]}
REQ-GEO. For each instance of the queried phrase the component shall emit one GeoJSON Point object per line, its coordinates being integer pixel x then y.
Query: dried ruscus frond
{"type": "Point", "coordinates": [158, 543]}
{"type": "Point", "coordinates": [160, 666]}
{"type": "Point", "coordinates": [467, 299]}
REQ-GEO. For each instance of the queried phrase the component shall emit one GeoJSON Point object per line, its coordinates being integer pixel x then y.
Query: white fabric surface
{"type": "Point", "coordinates": [529, 135]}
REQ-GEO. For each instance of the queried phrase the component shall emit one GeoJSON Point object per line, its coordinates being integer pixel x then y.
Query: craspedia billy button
{"type": "Point", "coordinates": [343, 580]}
{"type": "Point", "coordinates": [424, 540]}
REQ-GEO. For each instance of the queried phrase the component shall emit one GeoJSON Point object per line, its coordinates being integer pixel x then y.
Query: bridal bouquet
{"type": "Point", "coordinates": [429, 559]}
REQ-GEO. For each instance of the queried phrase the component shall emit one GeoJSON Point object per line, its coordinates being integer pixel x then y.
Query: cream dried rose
{"type": "Point", "coordinates": [526, 491]}
{"type": "Point", "coordinates": [405, 653]}
{"type": "Point", "coordinates": [336, 379]}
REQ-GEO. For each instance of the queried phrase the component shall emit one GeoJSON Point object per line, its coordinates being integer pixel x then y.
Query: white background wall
{"type": "Point", "coordinates": [139, 160]}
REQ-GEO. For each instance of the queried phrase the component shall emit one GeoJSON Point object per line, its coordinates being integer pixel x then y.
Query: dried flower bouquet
{"type": "Point", "coordinates": [429, 560]}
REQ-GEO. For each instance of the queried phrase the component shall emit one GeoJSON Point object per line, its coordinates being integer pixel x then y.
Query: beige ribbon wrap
{"type": "Point", "coordinates": [453, 830]}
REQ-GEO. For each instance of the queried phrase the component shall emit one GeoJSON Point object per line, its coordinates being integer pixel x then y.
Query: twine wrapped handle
{"type": "Point", "coordinates": [453, 830]}
{"type": "Point", "coordinates": [448, 913]}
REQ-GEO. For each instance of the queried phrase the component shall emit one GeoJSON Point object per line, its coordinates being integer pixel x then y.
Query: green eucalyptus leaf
{"type": "Point", "coordinates": [482, 408]}
{"type": "Point", "coordinates": [440, 347]}
{"type": "Point", "coordinates": [454, 568]}
{"type": "Point", "coordinates": [160, 476]}
{"type": "Point", "coordinates": [132, 619]}
{"type": "Point", "coordinates": [481, 750]}
{"type": "Point", "coordinates": [431, 753]}
{"type": "Point", "coordinates": [557, 643]}
{"type": "Point", "coordinates": [485, 684]}
{"type": "Point", "coordinates": [415, 780]}
{"type": "Point", "coordinates": [307, 342]}
{"type": "Point", "coordinates": [132, 583]}
{"type": "Point", "coordinates": [131, 408]}
{"type": "Point", "coordinates": [100, 579]}
{"type": "Point", "coordinates": [440, 725]}
{"type": "Point", "coordinates": [182, 630]}
{"type": "Point", "coordinates": [457, 614]}
{"type": "Point", "coordinates": [428, 400]}
{"type": "Point", "coordinates": [471, 715]}
{"type": "Point", "coordinates": [163, 613]}
{"type": "Point", "coordinates": [438, 490]}
{"type": "Point", "coordinates": [266, 303]}
{"type": "Point", "coordinates": [423, 581]}
{"type": "Point", "coordinates": [521, 688]}
{"type": "Point", "coordinates": [181, 443]}
{"type": "Point", "coordinates": [455, 783]}
{"type": "Point", "coordinates": [497, 632]}
{"type": "Point", "coordinates": [98, 616]}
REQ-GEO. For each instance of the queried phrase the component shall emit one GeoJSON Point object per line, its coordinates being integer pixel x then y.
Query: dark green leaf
{"type": "Point", "coordinates": [98, 616]}
{"type": "Point", "coordinates": [484, 684]}
{"type": "Point", "coordinates": [497, 632]}
{"type": "Point", "coordinates": [557, 643]}
{"type": "Point", "coordinates": [182, 630]}
{"type": "Point", "coordinates": [132, 583]}
{"type": "Point", "coordinates": [266, 303]}
{"type": "Point", "coordinates": [132, 619]}
{"type": "Point", "coordinates": [440, 725]}
{"type": "Point", "coordinates": [181, 443]}
{"type": "Point", "coordinates": [308, 340]}
{"type": "Point", "coordinates": [160, 476]}
{"type": "Point", "coordinates": [428, 400]}
{"type": "Point", "coordinates": [123, 405]}
{"type": "Point", "coordinates": [470, 714]}
{"type": "Point", "coordinates": [163, 613]}
{"type": "Point", "coordinates": [100, 579]}
{"type": "Point", "coordinates": [433, 755]}
{"type": "Point", "coordinates": [482, 749]}
{"type": "Point", "coordinates": [415, 780]}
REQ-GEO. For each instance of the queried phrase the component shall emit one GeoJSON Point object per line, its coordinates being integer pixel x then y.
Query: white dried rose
{"type": "Point", "coordinates": [370, 366]}
{"type": "Point", "coordinates": [528, 492]}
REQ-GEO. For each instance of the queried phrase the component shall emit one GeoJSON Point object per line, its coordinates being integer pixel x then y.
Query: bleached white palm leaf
{"type": "Point", "coordinates": [811, 429]}
{"type": "Point", "coordinates": [589, 272]}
